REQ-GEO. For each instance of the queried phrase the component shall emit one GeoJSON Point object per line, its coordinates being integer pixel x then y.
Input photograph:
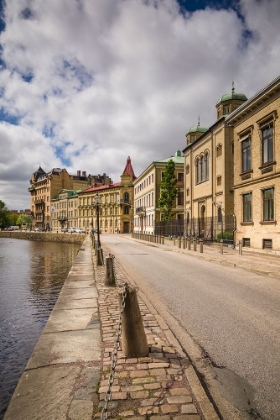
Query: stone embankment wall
{"type": "Point", "coordinates": [71, 238]}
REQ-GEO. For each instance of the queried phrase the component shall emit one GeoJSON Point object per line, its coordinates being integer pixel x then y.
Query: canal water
{"type": "Point", "coordinates": [31, 276]}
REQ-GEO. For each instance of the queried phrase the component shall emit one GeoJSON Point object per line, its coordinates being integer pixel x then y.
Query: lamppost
{"type": "Point", "coordinates": [97, 203]}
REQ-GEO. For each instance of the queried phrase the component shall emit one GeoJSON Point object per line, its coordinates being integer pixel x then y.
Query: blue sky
{"type": "Point", "coordinates": [85, 84]}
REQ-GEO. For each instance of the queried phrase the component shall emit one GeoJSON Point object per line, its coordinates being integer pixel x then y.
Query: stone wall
{"type": "Point", "coordinates": [74, 238]}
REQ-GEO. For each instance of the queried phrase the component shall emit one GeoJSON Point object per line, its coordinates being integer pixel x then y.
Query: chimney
{"type": "Point", "coordinates": [79, 173]}
{"type": "Point", "coordinates": [84, 173]}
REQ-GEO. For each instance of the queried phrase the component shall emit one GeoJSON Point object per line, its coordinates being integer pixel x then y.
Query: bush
{"type": "Point", "coordinates": [226, 236]}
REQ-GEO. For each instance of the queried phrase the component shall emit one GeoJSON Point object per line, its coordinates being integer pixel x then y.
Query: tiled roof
{"type": "Point", "coordinates": [101, 187]}
{"type": "Point", "coordinates": [129, 169]}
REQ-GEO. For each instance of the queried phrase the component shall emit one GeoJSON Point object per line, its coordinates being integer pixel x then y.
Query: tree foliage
{"type": "Point", "coordinates": [168, 191]}
{"type": "Point", "coordinates": [4, 212]}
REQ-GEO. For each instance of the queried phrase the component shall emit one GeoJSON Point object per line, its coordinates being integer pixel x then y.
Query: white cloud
{"type": "Point", "coordinates": [102, 80]}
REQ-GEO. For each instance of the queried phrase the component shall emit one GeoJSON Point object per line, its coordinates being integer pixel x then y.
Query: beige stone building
{"type": "Point", "coordinates": [115, 208]}
{"type": "Point", "coordinates": [208, 174]}
{"type": "Point", "coordinates": [257, 168]}
{"type": "Point", "coordinates": [147, 191]}
{"type": "Point", "coordinates": [64, 211]}
{"type": "Point", "coordinates": [45, 186]}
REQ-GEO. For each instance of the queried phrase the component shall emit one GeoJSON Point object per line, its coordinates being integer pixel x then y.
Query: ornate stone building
{"type": "Point", "coordinates": [208, 173]}
{"type": "Point", "coordinates": [257, 168]}
{"type": "Point", "coordinates": [45, 186]}
{"type": "Point", "coordinates": [115, 204]}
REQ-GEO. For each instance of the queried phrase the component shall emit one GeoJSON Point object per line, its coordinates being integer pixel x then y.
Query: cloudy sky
{"type": "Point", "coordinates": [86, 83]}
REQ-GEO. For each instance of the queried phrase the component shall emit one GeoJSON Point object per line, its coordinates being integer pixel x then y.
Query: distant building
{"type": "Point", "coordinates": [115, 208]}
{"type": "Point", "coordinates": [45, 186]}
{"type": "Point", "coordinates": [64, 211]}
{"type": "Point", "coordinates": [147, 191]}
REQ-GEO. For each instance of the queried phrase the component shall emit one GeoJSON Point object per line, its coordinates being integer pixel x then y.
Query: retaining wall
{"type": "Point", "coordinates": [72, 238]}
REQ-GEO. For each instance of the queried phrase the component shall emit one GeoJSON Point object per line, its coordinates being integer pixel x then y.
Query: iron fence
{"type": "Point", "coordinates": [210, 229]}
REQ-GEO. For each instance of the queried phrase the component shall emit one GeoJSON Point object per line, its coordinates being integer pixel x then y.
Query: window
{"type": "Point", "coordinates": [267, 144]}
{"type": "Point", "coordinates": [126, 197]}
{"type": "Point", "coordinates": [126, 210]}
{"type": "Point", "coordinates": [180, 198]}
{"type": "Point", "coordinates": [268, 204]}
{"type": "Point", "coordinates": [246, 155]}
{"type": "Point", "coordinates": [187, 169]}
{"type": "Point", "coordinates": [202, 168]}
{"type": "Point", "coordinates": [247, 207]}
{"type": "Point", "coordinates": [180, 176]}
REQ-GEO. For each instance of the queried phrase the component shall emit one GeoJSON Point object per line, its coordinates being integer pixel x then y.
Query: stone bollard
{"type": "Point", "coordinates": [221, 246]}
{"type": "Point", "coordinates": [134, 340]}
{"type": "Point", "coordinates": [189, 243]}
{"type": "Point", "coordinates": [179, 242]}
{"type": "Point", "coordinates": [174, 241]}
{"type": "Point", "coordinates": [201, 246]}
{"type": "Point", "coordinates": [240, 247]}
{"type": "Point", "coordinates": [110, 279]}
{"type": "Point", "coordinates": [194, 244]}
{"type": "Point", "coordinates": [99, 256]}
{"type": "Point", "coordinates": [162, 240]}
{"type": "Point", "coordinates": [184, 243]}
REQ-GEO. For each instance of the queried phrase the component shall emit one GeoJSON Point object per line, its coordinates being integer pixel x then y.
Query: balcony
{"type": "Point", "coordinates": [62, 218]}
{"type": "Point", "coordinates": [125, 202]}
{"type": "Point", "coordinates": [37, 202]}
{"type": "Point", "coordinates": [140, 211]}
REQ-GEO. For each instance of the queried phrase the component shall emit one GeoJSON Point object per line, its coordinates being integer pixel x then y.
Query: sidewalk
{"type": "Point", "coordinates": [259, 261]}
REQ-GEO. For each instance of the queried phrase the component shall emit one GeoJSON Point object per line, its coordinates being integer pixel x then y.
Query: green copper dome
{"type": "Point", "coordinates": [197, 129]}
{"type": "Point", "coordinates": [232, 95]}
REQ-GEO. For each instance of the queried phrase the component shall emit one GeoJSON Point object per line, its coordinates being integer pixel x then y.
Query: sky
{"type": "Point", "coordinates": [86, 83]}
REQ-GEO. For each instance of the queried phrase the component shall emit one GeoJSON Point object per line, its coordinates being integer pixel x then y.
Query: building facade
{"type": "Point", "coordinates": [208, 174]}
{"type": "Point", "coordinates": [147, 191]}
{"type": "Point", "coordinates": [64, 211]}
{"type": "Point", "coordinates": [114, 202]}
{"type": "Point", "coordinates": [45, 186]}
{"type": "Point", "coordinates": [257, 168]}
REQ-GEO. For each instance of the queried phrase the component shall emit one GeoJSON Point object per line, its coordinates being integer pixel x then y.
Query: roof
{"type": "Point", "coordinates": [129, 169]}
{"type": "Point", "coordinates": [197, 129]}
{"type": "Point", "coordinates": [232, 95]}
{"type": "Point", "coordinates": [37, 174]}
{"type": "Point", "coordinates": [100, 187]}
{"type": "Point", "coordinates": [177, 158]}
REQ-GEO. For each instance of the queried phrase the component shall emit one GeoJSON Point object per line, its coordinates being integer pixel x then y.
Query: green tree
{"type": "Point", "coordinates": [24, 219]}
{"type": "Point", "coordinates": [4, 220]}
{"type": "Point", "coordinates": [168, 191]}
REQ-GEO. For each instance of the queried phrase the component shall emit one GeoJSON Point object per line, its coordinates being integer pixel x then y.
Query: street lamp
{"type": "Point", "coordinates": [97, 203]}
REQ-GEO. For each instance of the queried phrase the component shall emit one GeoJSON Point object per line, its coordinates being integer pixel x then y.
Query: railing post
{"type": "Point", "coordinates": [109, 272]}
{"type": "Point", "coordinates": [221, 246]}
{"type": "Point", "coordinates": [194, 244]}
{"type": "Point", "coordinates": [240, 247]}
{"type": "Point", "coordinates": [134, 340]}
{"type": "Point", "coordinates": [201, 246]}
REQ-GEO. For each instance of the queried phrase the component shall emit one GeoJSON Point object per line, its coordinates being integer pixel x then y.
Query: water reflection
{"type": "Point", "coordinates": [31, 277]}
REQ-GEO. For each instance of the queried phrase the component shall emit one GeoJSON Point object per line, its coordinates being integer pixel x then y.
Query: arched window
{"type": "Point", "coordinates": [198, 179]}
{"type": "Point", "coordinates": [206, 163]}
{"type": "Point", "coordinates": [202, 168]}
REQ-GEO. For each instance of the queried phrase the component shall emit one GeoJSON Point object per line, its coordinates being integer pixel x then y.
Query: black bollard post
{"type": "Point", "coordinates": [134, 340]}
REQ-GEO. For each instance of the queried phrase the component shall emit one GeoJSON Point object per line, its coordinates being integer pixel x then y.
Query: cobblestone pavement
{"type": "Point", "coordinates": [160, 386]}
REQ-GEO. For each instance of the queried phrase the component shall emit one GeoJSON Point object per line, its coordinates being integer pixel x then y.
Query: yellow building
{"type": "Point", "coordinates": [147, 215]}
{"type": "Point", "coordinates": [45, 186]}
{"type": "Point", "coordinates": [115, 205]}
{"type": "Point", "coordinates": [208, 174]}
{"type": "Point", "coordinates": [257, 168]}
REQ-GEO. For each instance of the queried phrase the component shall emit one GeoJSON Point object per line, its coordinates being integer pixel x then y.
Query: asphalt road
{"type": "Point", "coordinates": [226, 318]}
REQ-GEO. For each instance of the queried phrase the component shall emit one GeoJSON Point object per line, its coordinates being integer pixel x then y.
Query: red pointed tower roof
{"type": "Point", "coordinates": [129, 169]}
